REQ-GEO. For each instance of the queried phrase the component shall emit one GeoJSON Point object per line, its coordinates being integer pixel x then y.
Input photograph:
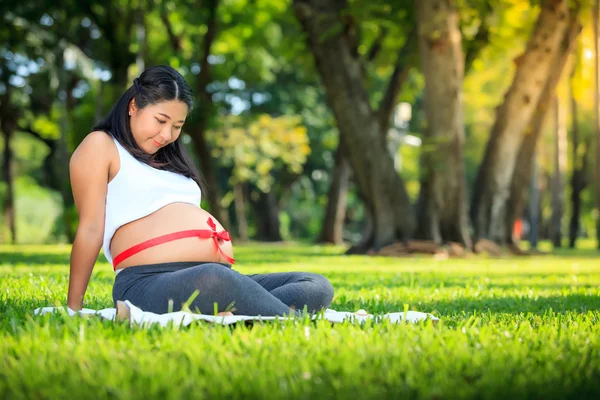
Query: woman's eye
{"type": "Point", "coordinates": [178, 127]}
{"type": "Point", "coordinates": [161, 121]}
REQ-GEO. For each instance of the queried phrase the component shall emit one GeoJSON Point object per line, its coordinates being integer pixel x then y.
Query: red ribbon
{"type": "Point", "coordinates": [216, 236]}
{"type": "Point", "coordinates": [200, 233]}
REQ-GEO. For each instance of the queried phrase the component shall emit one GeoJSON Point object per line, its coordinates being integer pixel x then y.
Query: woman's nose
{"type": "Point", "coordinates": [165, 134]}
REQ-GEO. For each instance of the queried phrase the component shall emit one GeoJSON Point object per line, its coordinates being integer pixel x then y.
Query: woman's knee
{"type": "Point", "coordinates": [209, 277]}
{"type": "Point", "coordinates": [323, 289]}
{"type": "Point", "coordinates": [214, 283]}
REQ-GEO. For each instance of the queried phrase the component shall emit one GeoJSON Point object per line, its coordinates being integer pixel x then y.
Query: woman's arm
{"type": "Point", "coordinates": [89, 171]}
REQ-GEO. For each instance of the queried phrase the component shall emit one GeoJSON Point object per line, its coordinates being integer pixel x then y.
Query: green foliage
{"type": "Point", "coordinates": [260, 64]}
{"type": "Point", "coordinates": [28, 156]}
{"type": "Point", "coordinates": [37, 210]}
{"type": "Point", "coordinates": [265, 145]}
{"type": "Point", "coordinates": [511, 328]}
{"type": "Point", "coordinates": [46, 128]}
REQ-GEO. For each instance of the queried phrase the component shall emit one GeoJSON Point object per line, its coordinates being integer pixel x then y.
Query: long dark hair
{"type": "Point", "coordinates": [155, 85]}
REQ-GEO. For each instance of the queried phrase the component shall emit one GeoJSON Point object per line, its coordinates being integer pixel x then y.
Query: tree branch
{"type": "Point", "coordinates": [104, 27]}
{"type": "Point", "coordinates": [396, 82]}
{"type": "Point", "coordinates": [129, 17]}
{"type": "Point", "coordinates": [481, 39]}
{"type": "Point", "coordinates": [377, 45]}
{"type": "Point", "coordinates": [211, 33]}
{"type": "Point", "coordinates": [352, 33]}
{"type": "Point", "coordinates": [173, 38]}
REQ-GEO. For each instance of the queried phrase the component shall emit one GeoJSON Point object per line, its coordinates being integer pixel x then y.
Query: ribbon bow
{"type": "Point", "coordinates": [216, 236]}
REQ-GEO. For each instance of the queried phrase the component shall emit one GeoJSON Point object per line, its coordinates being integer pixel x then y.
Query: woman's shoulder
{"type": "Point", "coordinates": [98, 138]}
{"type": "Point", "coordinates": [96, 144]}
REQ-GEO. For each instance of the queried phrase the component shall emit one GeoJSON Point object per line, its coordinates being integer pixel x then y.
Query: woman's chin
{"type": "Point", "coordinates": [150, 150]}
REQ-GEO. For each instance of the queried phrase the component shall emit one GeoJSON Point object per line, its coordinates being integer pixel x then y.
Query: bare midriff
{"type": "Point", "coordinates": [172, 218]}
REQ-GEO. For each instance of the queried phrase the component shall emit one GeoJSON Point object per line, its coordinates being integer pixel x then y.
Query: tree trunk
{"type": "Point", "coordinates": [8, 125]}
{"type": "Point", "coordinates": [444, 213]}
{"type": "Point", "coordinates": [533, 67]}
{"type": "Point", "coordinates": [205, 112]}
{"type": "Point", "coordinates": [385, 196]}
{"type": "Point", "coordinates": [397, 79]}
{"type": "Point", "coordinates": [98, 105]}
{"type": "Point", "coordinates": [534, 204]}
{"type": "Point", "coordinates": [49, 178]}
{"type": "Point", "coordinates": [140, 33]}
{"type": "Point", "coordinates": [595, 17]}
{"type": "Point", "coordinates": [8, 129]}
{"type": "Point", "coordinates": [120, 73]}
{"type": "Point", "coordinates": [63, 154]}
{"type": "Point", "coordinates": [560, 165]}
{"type": "Point", "coordinates": [575, 177]}
{"type": "Point", "coordinates": [266, 211]}
{"type": "Point", "coordinates": [578, 175]}
{"type": "Point", "coordinates": [212, 192]}
{"type": "Point", "coordinates": [333, 222]}
{"type": "Point", "coordinates": [521, 177]}
{"type": "Point", "coordinates": [240, 211]}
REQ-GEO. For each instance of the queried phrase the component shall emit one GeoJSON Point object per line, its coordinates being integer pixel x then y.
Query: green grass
{"type": "Point", "coordinates": [510, 328]}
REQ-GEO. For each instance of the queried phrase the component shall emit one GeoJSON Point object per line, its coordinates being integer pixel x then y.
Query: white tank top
{"type": "Point", "coordinates": [139, 190]}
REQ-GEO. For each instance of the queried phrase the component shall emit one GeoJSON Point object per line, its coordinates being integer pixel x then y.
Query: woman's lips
{"type": "Point", "coordinates": [156, 143]}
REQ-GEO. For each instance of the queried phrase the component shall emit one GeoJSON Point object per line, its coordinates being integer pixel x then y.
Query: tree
{"type": "Point", "coordinates": [114, 43]}
{"type": "Point", "coordinates": [595, 17]}
{"type": "Point", "coordinates": [521, 177]}
{"type": "Point", "coordinates": [558, 177]}
{"type": "Point", "coordinates": [579, 164]}
{"type": "Point", "coordinates": [200, 122]}
{"type": "Point", "coordinates": [335, 211]}
{"type": "Point", "coordinates": [259, 152]}
{"type": "Point", "coordinates": [18, 47]}
{"type": "Point", "coordinates": [8, 125]}
{"type": "Point", "coordinates": [443, 214]}
{"type": "Point", "coordinates": [329, 32]}
{"type": "Point", "coordinates": [295, 92]}
{"type": "Point", "coordinates": [217, 43]}
{"type": "Point", "coordinates": [379, 47]}
{"type": "Point", "coordinates": [476, 21]}
{"type": "Point", "coordinates": [492, 188]}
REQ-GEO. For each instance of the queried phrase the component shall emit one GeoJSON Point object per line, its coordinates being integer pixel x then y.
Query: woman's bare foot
{"type": "Point", "coordinates": [123, 312]}
{"type": "Point", "coordinates": [225, 314]}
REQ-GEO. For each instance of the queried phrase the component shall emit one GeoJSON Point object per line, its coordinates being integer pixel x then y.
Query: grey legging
{"type": "Point", "coordinates": [152, 287]}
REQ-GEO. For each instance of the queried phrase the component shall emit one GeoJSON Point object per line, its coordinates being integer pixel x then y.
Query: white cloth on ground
{"type": "Point", "coordinates": [184, 318]}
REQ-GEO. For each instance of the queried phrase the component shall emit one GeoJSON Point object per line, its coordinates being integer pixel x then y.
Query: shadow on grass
{"type": "Point", "coordinates": [575, 253]}
{"type": "Point", "coordinates": [357, 281]}
{"type": "Point", "coordinates": [21, 309]}
{"type": "Point", "coordinates": [497, 305]}
{"type": "Point", "coordinates": [284, 258]}
{"type": "Point", "coordinates": [36, 259]}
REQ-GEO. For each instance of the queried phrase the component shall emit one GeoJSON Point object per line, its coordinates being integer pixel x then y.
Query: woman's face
{"type": "Point", "coordinates": [157, 125]}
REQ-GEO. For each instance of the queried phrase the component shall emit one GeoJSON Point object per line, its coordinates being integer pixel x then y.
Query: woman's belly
{"type": "Point", "coordinates": [169, 219]}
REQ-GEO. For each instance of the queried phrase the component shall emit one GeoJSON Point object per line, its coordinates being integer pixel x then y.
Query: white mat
{"type": "Point", "coordinates": [139, 317]}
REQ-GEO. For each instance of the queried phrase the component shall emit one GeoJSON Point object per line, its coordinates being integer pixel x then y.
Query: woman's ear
{"type": "Point", "coordinates": [132, 107]}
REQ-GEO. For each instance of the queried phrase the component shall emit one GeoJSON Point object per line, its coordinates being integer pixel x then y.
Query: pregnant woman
{"type": "Point", "coordinates": [138, 197]}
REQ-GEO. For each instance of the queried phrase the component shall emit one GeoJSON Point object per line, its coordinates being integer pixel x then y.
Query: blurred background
{"type": "Point", "coordinates": [358, 122]}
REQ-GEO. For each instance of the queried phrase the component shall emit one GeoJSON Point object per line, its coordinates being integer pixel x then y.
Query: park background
{"type": "Point", "coordinates": [363, 126]}
{"type": "Point", "coordinates": [369, 141]}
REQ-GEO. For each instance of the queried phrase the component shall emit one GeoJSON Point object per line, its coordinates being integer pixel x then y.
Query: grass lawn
{"type": "Point", "coordinates": [510, 328]}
